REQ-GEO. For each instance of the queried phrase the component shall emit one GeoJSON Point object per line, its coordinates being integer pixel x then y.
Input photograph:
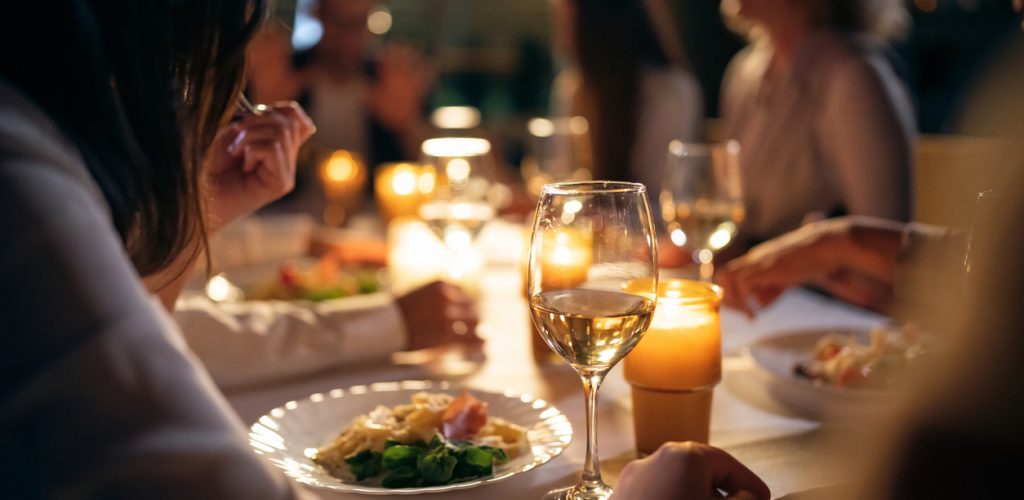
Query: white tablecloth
{"type": "Point", "coordinates": [771, 438]}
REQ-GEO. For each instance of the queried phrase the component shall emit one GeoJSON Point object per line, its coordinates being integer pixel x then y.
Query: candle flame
{"type": "Point", "coordinates": [404, 183]}
{"type": "Point", "coordinates": [342, 166]}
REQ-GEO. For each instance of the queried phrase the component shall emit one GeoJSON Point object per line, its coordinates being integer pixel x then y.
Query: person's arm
{"type": "Point", "coordinates": [867, 135]}
{"type": "Point", "coordinates": [854, 258]}
{"type": "Point", "coordinates": [99, 398]}
{"type": "Point", "coordinates": [256, 341]}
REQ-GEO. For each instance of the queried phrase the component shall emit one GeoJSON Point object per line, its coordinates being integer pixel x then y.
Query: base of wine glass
{"type": "Point", "coordinates": [599, 491]}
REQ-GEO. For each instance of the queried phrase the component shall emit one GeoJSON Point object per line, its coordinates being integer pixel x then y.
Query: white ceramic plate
{"type": "Point", "coordinates": [776, 356]}
{"type": "Point", "coordinates": [287, 435]}
{"type": "Point", "coordinates": [243, 282]}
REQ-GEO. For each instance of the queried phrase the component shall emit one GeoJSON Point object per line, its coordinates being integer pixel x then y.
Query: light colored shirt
{"type": "Point", "coordinates": [258, 341]}
{"type": "Point", "coordinates": [99, 396]}
{"type": "Point", "coordinates": [834, 131]}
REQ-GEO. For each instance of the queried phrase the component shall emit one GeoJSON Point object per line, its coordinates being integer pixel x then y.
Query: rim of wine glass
{"type": "Point", "coordinates": [684, 148]}
{"type": "Point", "coordinates": [591, 187]}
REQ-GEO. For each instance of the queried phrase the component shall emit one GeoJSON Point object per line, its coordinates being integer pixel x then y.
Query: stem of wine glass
{"type": "Point", "coordinates": [591, 482]}
{"type": "Point", "coordinates": [704, 260]}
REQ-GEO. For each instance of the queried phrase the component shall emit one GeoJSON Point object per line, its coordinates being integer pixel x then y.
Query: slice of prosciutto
{"type": "Point", "coordinates": [464, 417]}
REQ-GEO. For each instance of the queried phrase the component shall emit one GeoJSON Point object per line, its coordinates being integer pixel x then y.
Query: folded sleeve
{"type": "Point", "coordinates": [250, 342]}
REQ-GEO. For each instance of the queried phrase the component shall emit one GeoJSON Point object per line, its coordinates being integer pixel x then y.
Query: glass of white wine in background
{"type": "Point", "coordinates": [593, 280]}
{"type": "Point", "coordinates": [702, 199]}
{"type": "Point", "coordinates": [557, 150]}
{"type": "Point", "coordinates": [460, 203]}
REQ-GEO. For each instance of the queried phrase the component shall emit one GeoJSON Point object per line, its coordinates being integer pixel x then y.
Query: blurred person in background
{"type": "Point", "coordinates": [825, 123]}
{"type": "Point", "coordinates": [369, 104]}
{"type": "Point", "coordinates": [627, 75]}
{"type": "Point", "coordinates": [953, 426]}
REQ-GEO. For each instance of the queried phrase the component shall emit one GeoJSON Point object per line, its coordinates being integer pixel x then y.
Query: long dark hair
{"type": "Point", "coordinates": [141, 89]}
{"type": "Point", "coordinates": [615, 39]}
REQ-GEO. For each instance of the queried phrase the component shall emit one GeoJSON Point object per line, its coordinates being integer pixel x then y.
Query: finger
{"type": "Point", "coordinates": [273, 171]}
{"type": "Point", "coordinates": [732, 297]}
{"type": "Point", "coordinates": [729, 475]}
{"type": "Point", "coordinates": [269, 161]}
{"type": "Point", "coordinates": [298, 116]}
{"type": "Point", "coordinates": [274, 122]}
{"type": "Point", "coordinates": [260, 134]}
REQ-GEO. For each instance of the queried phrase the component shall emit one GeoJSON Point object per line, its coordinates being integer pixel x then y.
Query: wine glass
{"type": "Point", "coordinates": [981, 220]}
{"type": "Point", "coordinates": [557, 150]}
{"type": "Point", "coordinates": [593, 281]}
{"type": "Point", "coordinates": [461, 201]}
{"type": "Point", "coordinates": [702, 199]}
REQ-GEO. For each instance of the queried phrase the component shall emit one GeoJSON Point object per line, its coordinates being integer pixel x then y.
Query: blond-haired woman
{"type": "Point", "coordinates": [826, 125]}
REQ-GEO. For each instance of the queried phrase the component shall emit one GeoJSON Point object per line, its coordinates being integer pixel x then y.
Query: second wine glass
{"type": "Point", "coordinates": [702, 199]}
{"type": "Point", "coordinates": [459, 206]}
{"type": "Point", "coordinates": [593, 280]}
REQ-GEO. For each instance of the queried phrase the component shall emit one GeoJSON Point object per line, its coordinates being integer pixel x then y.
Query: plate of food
{"type": "Point", "coordinates": [409, 437]}
{"type": "Point", "coordinates": [816, 369]}
{"type": "Point", "coordinates": [304, 279]}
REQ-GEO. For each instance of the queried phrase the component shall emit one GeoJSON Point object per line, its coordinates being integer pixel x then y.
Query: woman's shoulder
{"type": "Point", "coordinates": [832, 55]}
{"type": "Point", "coordinates": [747, 67]}
{"type": "Point", "coordinates": [29, 136]}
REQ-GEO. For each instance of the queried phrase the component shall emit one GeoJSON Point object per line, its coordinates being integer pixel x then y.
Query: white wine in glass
{"type": "Point", "coordinates": [460, 205]}
{"type": "Point", "coordinates": [702, 199]}
{"type": "Point", "coordinates": [593, 281]}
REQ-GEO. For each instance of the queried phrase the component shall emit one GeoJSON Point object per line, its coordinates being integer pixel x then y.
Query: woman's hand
{"type": "Point", "coordinates": [437, 314]}
{"type": "Point", "coordinates": [852, 258]}
{"type": "Point", "coordinates": [252, 162]}
{"type": "Point", "coordinates": [689, 470]}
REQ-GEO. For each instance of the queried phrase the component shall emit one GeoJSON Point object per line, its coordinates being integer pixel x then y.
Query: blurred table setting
{"type": "Point", "coordinates": [767, 423]}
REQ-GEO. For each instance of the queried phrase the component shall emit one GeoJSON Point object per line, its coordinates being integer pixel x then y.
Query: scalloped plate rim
{"type": "Point", "coordinates": [564, 436]}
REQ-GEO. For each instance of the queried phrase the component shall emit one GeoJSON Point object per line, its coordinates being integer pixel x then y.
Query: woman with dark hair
{"type": "Point", "coordinates": [116, 161]}
{"type": "Point", "coordinates": [627, 75]}
{"type": "Point", "coordinates": [825, 123]}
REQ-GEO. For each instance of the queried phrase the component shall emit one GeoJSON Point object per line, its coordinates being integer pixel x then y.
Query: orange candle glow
{"type": "Point", "coordinates": [402, 187]}
{"type": "Point", "coordinates": [676, 365]}
{"type": "Point", "coordinates": [342, 174]}
{"type": "Point", "coordinates": [565, 260]}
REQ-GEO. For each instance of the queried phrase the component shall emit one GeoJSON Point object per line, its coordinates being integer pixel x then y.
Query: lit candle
{"type": "Point", "coordinates": [564, 263]}
{"type": "Point", "coordinates": [342, 175]}
{"type": "Point", "coordinates": [565, 259]}
{"type": "Point", "coordinates": [402, 187]}
{"type": "Point", "coordinates": [676, 365]}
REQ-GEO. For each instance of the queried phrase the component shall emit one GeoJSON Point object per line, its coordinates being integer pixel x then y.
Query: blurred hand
{"type": "Point", "coordinates": [252, 162]}
{"type": "Point", "coordinates": [403, 79]}
{"type": "Point", "coordinates": [691, 471]}
{"type": "Point", "coordinates": [439, 313]}
{"type": "Point", "coordinates": [852, 258]}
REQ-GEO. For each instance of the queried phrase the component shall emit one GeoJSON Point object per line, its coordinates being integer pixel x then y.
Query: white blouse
{"type": "Point", "coordinates": [833, 132]}
{"type": "Point", "coordinates": [99, 396]}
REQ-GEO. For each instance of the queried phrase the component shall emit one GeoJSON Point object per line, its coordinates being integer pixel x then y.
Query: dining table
{"type": "Point", "coordinates": [782, 442]}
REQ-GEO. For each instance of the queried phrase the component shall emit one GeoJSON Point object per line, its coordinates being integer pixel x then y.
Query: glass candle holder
{"type": "Point", "coordinates": [675, 367]}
